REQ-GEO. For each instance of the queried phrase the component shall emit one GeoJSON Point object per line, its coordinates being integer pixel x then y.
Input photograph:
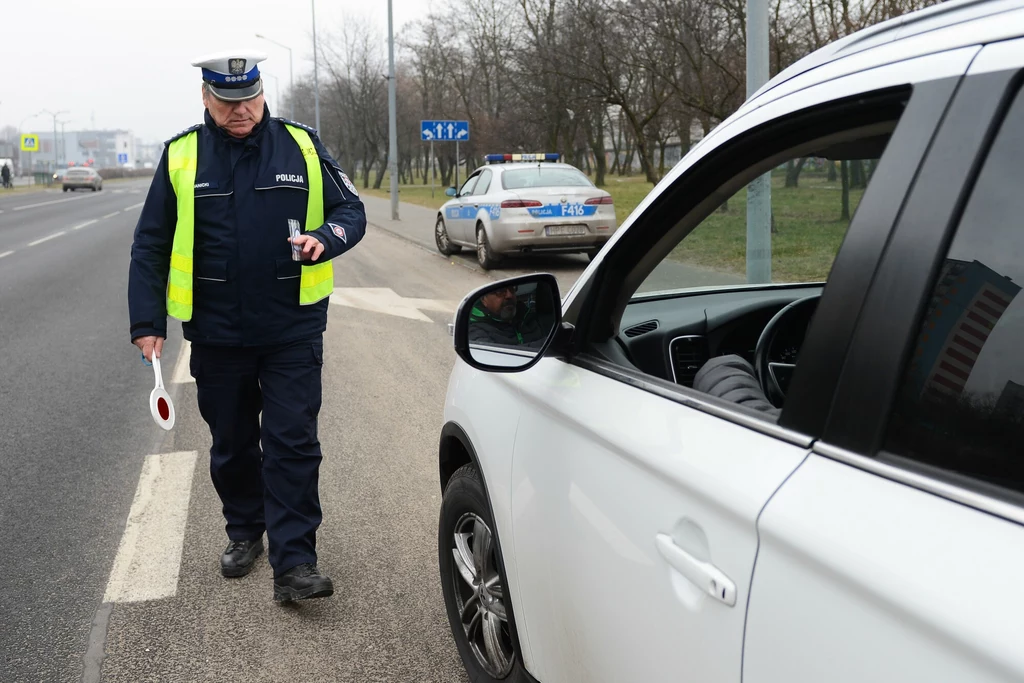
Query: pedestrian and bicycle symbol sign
{"type": "Point", "coordinates": [444, 131]}
{"type": "Point", "coordinates": [122, 158]}
{"type": "Point", "coordinates": [29, 142]}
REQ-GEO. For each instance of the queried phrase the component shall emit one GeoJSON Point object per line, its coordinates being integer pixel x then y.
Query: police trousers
{"type": "Point", "coordinates": [266, 471]}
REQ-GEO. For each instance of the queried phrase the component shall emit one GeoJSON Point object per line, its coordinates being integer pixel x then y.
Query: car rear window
{"type": "Point", "coordinates": [80, 172]}
{"type": "Point", "coordinates": [522, 178]}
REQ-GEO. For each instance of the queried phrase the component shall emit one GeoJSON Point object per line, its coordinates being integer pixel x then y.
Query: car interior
{"type": "Point", "coordinates": [670, 334]}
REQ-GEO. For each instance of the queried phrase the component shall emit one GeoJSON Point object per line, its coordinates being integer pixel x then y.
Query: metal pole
{"type": "Point", "coordinates": [291, 75]}
{"type": "Point", "coordinates": [291, 87]}
{"type": "Point", "coordinates": [392, 118]}
{"type": "Point", "coordinates": [316, 77]}
{"type": "Point", "coordinates": [56, 161]}
{"type": "Point", "coordinates": [456, 165]}
{"type": "Point", "coordinates": [431, 170]}
{"type": "Point", "coordinates": [759, 191]}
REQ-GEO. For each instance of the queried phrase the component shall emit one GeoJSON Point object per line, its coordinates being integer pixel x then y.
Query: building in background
{"type": "Point", "coordinates": [96, 148]}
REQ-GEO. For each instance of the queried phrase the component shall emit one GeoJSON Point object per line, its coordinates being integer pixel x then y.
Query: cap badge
{"type": "Point", "coordinates": [236, 66]}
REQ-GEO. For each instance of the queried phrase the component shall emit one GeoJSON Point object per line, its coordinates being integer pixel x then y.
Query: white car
{"type": "Point", "coordinates": [525, 204]}
{"type": "Point", "coordinates": [817, 479]}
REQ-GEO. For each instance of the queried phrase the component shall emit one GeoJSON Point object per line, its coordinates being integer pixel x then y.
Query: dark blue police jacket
{"type": "Point", "coordinates": [246, 285]}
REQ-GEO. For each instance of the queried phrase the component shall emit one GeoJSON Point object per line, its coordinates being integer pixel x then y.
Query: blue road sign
{"type": "Point", "coordinates": [122, 158]}
{"type": "Point", "coordinates": [444, 131]}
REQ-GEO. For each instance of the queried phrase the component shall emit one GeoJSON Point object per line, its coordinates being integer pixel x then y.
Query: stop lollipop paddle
{"type": "Point", "coordinates": [160, 405]}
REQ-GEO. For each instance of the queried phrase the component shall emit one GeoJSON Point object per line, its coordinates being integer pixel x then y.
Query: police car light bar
{"type": "Point", "coordinates": [499, 158]}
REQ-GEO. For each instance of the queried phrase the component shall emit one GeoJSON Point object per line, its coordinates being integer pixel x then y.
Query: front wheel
{"type": "Point", "coordinates": [473, 582]}
{"type": "Point", "coordinates": [485, 256]}
{"type": "Point", "coordinates": [444, 243]}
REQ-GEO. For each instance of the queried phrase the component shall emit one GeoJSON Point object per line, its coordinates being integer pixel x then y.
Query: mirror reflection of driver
{"type": "Point", "coordinates": [499, 317]}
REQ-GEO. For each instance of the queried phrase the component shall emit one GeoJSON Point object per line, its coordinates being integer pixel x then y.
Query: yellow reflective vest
{"type": "Point", "coordinates": [317, 281]}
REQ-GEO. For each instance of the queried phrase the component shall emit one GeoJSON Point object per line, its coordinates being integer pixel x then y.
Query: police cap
{"type": "Point", "coordinates": [232, 76]}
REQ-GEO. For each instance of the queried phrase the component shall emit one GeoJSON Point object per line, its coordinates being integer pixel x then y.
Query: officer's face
{"type": "Point", "coordinates": [237, 118]}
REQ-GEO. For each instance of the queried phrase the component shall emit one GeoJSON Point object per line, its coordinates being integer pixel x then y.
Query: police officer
{"type": "Point", "coordinates": [236, 239]}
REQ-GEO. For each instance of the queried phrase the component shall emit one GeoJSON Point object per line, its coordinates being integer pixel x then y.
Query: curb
{"type": "Point", "coordinates": [420, 245]}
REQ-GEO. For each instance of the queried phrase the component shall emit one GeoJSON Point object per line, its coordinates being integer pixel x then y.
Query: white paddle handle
{"type": "Point", "coordinates": [156, 371]}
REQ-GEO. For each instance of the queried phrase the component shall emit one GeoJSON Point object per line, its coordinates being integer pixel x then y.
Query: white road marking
{"type": "Point", "coordinates": [149, 558]}
{"type": "Point", "coordinates": [6, 253]}
{"type": "Point", "coordinates": [135, 206]}
{"type": "Point", "coordinates": [136, 191]}
{"type": "Point", "coordinates": [47, 238]}
{"type": "Point", "coordinates": [112, 214]}
{"type": "Point", "coordinates": [385, 300]}
{"type": "Point", "coordinates": [85, 224]}
{"type": "Point", "coordinates": [182, 375]}
{"type": "Point", "coordinates": [52, 201]}
{"type": "Point", "coordinates": [118, 191]}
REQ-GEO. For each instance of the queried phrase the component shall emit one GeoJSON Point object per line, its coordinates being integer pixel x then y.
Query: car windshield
{"type": "Point", "coordinates": [522, 178]}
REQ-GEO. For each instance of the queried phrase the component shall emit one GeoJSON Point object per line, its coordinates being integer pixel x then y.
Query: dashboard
{"type": "Point", "coordinates": [672, 335]}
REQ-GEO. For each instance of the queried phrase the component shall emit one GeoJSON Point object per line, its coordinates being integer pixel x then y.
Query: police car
{"type": "Point", "coordinates": [523, 204]}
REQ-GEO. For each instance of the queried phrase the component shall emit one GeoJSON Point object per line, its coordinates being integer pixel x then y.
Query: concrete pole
{"type": "Point", "coordinates": [392, 118]}
{"type": "Point", "coordinates": [759, 192]}
{"type": "Point", "coordinates": [316, 77]}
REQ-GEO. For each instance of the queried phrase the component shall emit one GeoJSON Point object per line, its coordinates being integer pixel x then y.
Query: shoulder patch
{"type": "Point", "coordinates": [184, 132]}
{"type": "Point", "coordinates": [308, 129]}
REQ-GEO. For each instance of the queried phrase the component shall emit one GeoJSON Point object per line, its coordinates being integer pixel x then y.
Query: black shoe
{"type": "Point", "coordinates": [302, 583]}
{"type": "Point", "coordinates": [239, 557]}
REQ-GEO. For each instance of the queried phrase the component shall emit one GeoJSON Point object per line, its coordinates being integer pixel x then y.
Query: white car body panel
{"type": "Point", "coordinates": [590, 493]}
{"type": "Point", "coordinates": [860, 578]}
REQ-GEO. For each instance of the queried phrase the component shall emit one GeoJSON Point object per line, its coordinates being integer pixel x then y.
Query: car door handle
{"type": "Point", "coordinates": [704, 575]}
{"type": "Point", "coordinates": [476, 206]}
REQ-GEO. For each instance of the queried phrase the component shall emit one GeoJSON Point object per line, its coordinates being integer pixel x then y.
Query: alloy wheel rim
{"type": "Point", "coordinates": [481, 247]}
{"type": "Point", "coordinates": [440, 234]}
{"type": "Point", "coordinates": [480, 596]}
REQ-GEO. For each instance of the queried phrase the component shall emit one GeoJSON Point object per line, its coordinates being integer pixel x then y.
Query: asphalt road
{"type": "Point", "coordinates": [83, 471]}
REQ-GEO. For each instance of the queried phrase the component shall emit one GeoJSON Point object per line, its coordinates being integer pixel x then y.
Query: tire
{"type": "Point", "coordinates": [485, 256]}
{"type": "Point", "coordinates": [464, 521]}
{"type": "Point", "coordinates": [94, 189]}
{"type": "Point", "coordinates": [441, 239]}
{"type": "Point", "coordinates": [591, 255]}
{"type": "Point", "coordinates": [65, 189]}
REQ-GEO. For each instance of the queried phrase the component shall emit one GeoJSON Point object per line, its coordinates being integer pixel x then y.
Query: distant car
{"type": "Point", "coordinates": [525, 204]}
{"type": "Point", "coordinates": [82, 177]}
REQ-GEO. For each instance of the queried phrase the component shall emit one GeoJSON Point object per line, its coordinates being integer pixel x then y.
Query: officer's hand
{"type": "Point", "coordinates": [148, 345]}
{"type": "Point", "coordinates": [312, 248]}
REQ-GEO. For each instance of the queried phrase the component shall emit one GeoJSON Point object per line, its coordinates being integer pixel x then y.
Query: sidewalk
{"type": "Point", "coordinates": [416, 222]}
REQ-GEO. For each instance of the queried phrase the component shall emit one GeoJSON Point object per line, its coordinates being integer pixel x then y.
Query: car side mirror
{"type": "Point", "coordinates": [451, 192]}
{"type": "Point", "coordinates": [507, 326]}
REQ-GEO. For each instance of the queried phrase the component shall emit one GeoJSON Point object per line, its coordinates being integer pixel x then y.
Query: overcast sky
{"type": "Point", "coordinates": [127, 63]}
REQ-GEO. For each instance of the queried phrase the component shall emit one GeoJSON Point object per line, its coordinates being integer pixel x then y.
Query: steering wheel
{"type": "Point", "coordinates": [771, 374]}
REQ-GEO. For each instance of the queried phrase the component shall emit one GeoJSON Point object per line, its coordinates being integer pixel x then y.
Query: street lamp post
{"type": "Point", "coordinates": [54, 115]}
{"type": "Point", "coordinates": [392, 118]}
{"type": "Point", "coordinates": [316, 81]}
{"type": "Point", "coordinates": [759, 191]}
{"type": "Point", "coordinates": [277, 88]}
{"type": "Point", "coordinates": [291, 75]}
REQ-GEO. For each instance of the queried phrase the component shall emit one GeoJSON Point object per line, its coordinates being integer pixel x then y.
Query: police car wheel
{"type": "Point", "coordinates": [473, 582]}
{"type": "Point", "coordinates": [444, 243]}
{"type": "Point", "coordinates": [484, 255]}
